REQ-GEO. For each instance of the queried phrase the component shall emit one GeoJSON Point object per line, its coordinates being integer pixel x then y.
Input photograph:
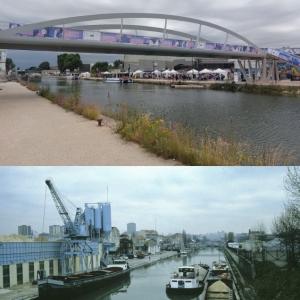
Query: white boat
{"type": "Point", "coordinates": [188, 280]}
{"type": "Point", "coordinates": [120, 263]}
{"type": "Point", "coordinates": [113, 80]}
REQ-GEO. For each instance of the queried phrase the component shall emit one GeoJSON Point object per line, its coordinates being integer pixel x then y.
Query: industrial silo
{"type": "Point", "coordinates": [106, 217]}
{"type": "Point", "coordinates": [98, 217]}
{"type": "Point", "coordinates": [89, 216]}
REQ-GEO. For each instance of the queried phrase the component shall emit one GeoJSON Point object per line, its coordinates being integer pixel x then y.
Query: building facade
{"type": "Point", "coordinates": [131, 228]}
{"type": "Point", "coordinates": [20, 261]}
{"type": "Point", "coordinates": [24, 230]}
{"type": "Point", "coordinates": [56, 232]}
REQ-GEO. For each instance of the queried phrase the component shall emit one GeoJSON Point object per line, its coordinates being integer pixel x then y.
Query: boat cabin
{"type": "Point", "coordinates": [186, 272]}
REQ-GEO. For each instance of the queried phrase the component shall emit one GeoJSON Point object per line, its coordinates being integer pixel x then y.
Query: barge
{"type": "Point", "coordinates": [219, 282]}
{"type": "Point", "coordinates": [189, 280]}
{"type": "Point", "coordinates": [71, 286]}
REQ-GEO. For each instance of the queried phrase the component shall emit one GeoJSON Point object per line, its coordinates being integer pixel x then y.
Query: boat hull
{"type": "Point", "coordinates": [52, 290]}
{"type": "Point", "coordinates": [184, 291]}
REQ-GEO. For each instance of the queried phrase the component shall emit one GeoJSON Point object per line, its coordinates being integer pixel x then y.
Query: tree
{"type": "Point", "coordinates": [292, 185]}
{"type": "Point", "coordinates": [118, 63]}
{"type": "Point", "coordinates": [287, 228]}
{"type": "Point", "coordinates": [9, 64]}
{"type": "Point", "coordinates": [100, 67]}
{"type": "Point", "coordinates": [44, 65]}
{"type": "Point", "coordinates": [68, 61]}
{"type": "Point", "coordinates": [287, 225]}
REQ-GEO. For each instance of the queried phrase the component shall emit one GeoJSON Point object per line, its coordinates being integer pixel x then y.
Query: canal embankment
{"type": "Point", "coordinates": [36, 132]}
{"type": "Point", "coordinates": [242, 287]}
{"type": "Point", "coordinates": [264, 280]}
{"type": "Point", "coordinates": [150, 260]}
{"type": "Point", "coordinates": [272, 88]}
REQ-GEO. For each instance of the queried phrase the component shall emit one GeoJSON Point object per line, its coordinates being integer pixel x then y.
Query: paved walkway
{"type": "Point", "coordinates": [34, 131]}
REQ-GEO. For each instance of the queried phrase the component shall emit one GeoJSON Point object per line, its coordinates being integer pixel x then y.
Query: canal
{"type": "Point", "coordinates": [149, 282]}
{"type": "Point", "coordinates": [259, 120]}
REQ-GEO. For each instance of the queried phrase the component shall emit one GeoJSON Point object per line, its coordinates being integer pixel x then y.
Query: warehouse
{"type": "Point", "coordinates": [20, 261]}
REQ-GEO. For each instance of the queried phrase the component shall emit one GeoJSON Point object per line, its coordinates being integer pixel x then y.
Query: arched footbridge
{"type": "Point", "coordinates": [130, 33]}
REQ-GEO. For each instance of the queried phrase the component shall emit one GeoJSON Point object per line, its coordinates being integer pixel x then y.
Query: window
{"type": "Point", "coordinates": [59, 267]}
{"type": "Point", "coordinates": [19, 274]}
{"type": "Point", "coordinates": [42, 267]}
{"type": "Point", "coordinates": [51, 267]}
{"type": "Point", "coordinates": [31, 271]}
{"type": "Point", "coordinates": [6, 278]}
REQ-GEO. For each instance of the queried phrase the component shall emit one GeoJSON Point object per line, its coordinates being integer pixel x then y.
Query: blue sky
{"type": "Point", "coordinates": [199, 200]}
{"type": "Point", "coordinates": [268, 23]}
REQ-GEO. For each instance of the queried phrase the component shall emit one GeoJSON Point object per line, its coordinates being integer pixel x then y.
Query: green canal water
{"type": "Point", "coordinates": [259, 120]}
{"type": "Point", "coordinates": [149, 283]}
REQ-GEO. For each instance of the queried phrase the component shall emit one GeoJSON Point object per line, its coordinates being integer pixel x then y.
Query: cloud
{"type": "Point", "coordinates": [199, 200]}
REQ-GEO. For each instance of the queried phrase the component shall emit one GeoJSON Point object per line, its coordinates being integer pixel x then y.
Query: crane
{"type": "Point", "coordinates": [69, 225]}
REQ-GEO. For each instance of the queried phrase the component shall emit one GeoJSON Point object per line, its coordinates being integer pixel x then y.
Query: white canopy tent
{"type": "Point", "coordinates": [173, 72]}
{"type": "Point", "coordinates": [138, 73]}
{"type": "Point", "coordinates": [106, 73]}
{"type": "Point", "coordinates": [166, 73]}
{"type": "Point", "coordinates": [192, 72]}
{"type": "Point", "coordinates": [219, 71]}
{"type": "Point", "coordinates": [156, 72]}
{"type": "Point", "coordinates": [205, 71]}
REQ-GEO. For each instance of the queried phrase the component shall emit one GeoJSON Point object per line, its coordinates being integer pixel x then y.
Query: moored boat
{"type": "Point", "coordinates": [189, 280]}
{"type": "Point", "coordinates": [112, 80]}
{"type": "Point", "coordinates": [219, 282]}
{"type": "Point", "coordinates": [70, 286]}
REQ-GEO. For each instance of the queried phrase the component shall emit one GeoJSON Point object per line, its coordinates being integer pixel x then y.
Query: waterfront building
{"type": "Point", "coordinates": [131, 229]}
{"type": "Point", "coordinates": [151, 63]}
{"type": "Point", "coordinates": [20, 261]}
{"type": "Point", "coordinates": [24, 230]}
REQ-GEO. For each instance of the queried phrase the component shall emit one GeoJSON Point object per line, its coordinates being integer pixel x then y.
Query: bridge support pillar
{"type": "Point", "coordinates": [243, 70]}
{"type": "Point", "coordinates": [264, 70]}
{"type": "Point", "coordinates": [2, 65]}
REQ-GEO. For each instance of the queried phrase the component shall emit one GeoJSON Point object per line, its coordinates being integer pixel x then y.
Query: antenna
{"type": "Point", "coordinates": [107, 193]}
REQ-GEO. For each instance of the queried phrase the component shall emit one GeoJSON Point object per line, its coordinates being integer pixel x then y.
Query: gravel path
{"type": "Point", "coordinates": [34, 131]}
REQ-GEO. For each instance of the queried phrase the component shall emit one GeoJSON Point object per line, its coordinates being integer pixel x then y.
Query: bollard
{"type": "Point", "coordinates": [100, 122]}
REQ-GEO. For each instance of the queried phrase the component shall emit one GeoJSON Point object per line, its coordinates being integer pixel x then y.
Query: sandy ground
{"type": "Point", "coordinates": [34, 131]}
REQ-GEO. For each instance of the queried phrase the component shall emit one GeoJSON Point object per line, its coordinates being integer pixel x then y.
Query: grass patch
{"type": "Point", "coordinates": [183, 145]}
{"type": "Point", "coordinates": [274, 283]}
{"type": "Point", "coordinates": [91, 112]}
{"type": "Point", "coordinates": [273, 90]}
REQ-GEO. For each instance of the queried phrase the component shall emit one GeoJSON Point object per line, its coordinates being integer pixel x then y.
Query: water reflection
{"type": "Point", "coordinates": [107, 292]}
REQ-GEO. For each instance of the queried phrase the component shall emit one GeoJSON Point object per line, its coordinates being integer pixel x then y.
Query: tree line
{"type": "Point", "coordinates": [287, 225]}
{"type": "Point", "coordinates": [72, 62]}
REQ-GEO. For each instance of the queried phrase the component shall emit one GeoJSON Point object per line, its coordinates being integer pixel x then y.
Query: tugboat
{"type": "Point", "coordinates": [70, 286]}
{"type": "Point", "coordinates": [189, 280]}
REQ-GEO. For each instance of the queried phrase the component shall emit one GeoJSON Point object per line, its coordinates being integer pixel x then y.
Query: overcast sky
{"type": "Point", "coordinates": [270, 23]}
{"type": "Point", "coordinates": [199, 200]}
